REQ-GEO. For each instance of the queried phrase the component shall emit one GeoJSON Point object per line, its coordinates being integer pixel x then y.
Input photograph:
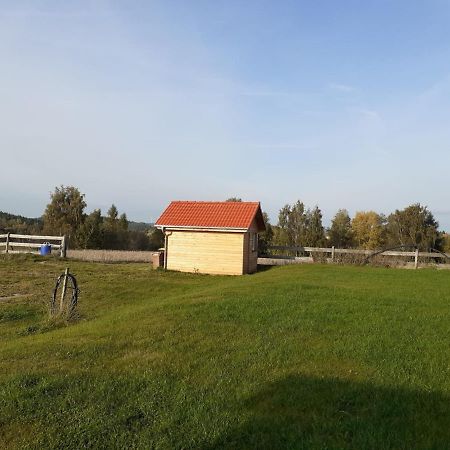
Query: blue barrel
{"type": "Point", "coordinates": [45, 249]}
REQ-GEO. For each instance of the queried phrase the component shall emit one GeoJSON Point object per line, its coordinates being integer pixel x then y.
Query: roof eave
{"type": "Point", "coordinates": [201, 228]}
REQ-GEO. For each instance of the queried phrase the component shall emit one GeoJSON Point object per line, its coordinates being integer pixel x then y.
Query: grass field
{"type": "Point", "coordinates": [308, 357]}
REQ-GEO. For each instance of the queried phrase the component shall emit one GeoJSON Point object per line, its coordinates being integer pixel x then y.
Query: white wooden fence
{"type": "Point", "coordinates": [333, 253]}
{"type": "Point", "coordinates": [24, 243]}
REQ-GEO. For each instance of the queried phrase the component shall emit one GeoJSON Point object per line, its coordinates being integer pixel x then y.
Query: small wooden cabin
{"type": "Point", "coordinates": [211, 237]}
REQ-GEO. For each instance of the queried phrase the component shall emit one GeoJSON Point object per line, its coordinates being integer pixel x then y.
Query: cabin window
{"type": "Point", "coordinates": [254, 241]}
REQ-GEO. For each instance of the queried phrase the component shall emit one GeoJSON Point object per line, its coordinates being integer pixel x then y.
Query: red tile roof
{"type": "Point", "coordinates": [212, 215]}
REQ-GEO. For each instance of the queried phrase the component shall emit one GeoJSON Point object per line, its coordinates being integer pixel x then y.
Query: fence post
{"type": "Point", "coordinates": [7, 242]}
{"type": "Point", "coordinates": [332, 253]}
{"type": "Point", "coordinates": [416, 259]}
{"type": "Point", "coordinates": [63, 247]}
{"type": "Point", "coordinates": [64, 288]}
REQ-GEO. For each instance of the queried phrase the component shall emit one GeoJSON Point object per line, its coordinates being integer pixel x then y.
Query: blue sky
{"type": "Point", "coordinates": [340, 104]}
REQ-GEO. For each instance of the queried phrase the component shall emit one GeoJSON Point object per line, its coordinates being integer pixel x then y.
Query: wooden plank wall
{"type": "Point", "coordinates": [205, 252]}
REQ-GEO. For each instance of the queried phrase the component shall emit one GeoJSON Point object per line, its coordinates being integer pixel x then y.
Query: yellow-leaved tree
{"type": "Point", "coordinates": [368, 230]}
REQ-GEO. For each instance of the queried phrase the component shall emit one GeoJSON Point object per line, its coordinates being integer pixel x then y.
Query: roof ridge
{"type": "Point", "coordinates": [214, 201]}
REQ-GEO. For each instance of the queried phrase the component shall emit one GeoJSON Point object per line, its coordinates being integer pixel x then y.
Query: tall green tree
{"type": "Point", "coordinates": [111, 220]}
{"type": "Point", "coordinates": [291, 224]}
{"type": "Point", "coordinates": [314, 232]}
{"type": "Point", "coordinates": [282, 233]}
{"type": "Point", "coordinates": [340, 232]}
{"type": "Point", "coordinates": [111, 238]}
{"type": "Point", "coordinates": [90, 234]}
{"type": "Point", "coordinates": [414, 225]}
{"type": "Point", "coordinates": [122, 232]}
{"type": "Point", "coordinates": [123, 222]}
{"type": "Point", "coordinates": [298, 226]}
{"type": "Point", "coordinates": [64, 215]}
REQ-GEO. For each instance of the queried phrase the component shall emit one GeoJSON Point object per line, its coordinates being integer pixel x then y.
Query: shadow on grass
{"type": "Point", "coordinates": [264, 268]}
{"type": "Point", "coordinates": [309, 413]}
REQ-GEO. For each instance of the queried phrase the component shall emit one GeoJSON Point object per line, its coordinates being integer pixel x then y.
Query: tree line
{"type": "Point", "coordinates": [65, 215]}
{"type": "Point", "coordinates": [413, 226]}
{"type": "Point", "coordinates": [297, 225]}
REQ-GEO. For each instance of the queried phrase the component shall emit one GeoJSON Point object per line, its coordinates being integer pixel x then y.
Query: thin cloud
{"type": "Point", "coordinates": [342, 87]}
{"type": "Point", "coordinates": [282, 146]}
{"type": "Point", "coordinates": [371, 113]}
{"type": "Point", "coordinates": [268, 94]}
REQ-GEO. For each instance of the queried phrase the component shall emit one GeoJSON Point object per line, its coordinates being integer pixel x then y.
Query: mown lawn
{"type": "Point", "coordinates": [308, 357]}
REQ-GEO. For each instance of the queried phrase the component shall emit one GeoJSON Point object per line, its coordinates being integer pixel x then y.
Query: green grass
{"type": "Point", "coordinates": [306, 357]}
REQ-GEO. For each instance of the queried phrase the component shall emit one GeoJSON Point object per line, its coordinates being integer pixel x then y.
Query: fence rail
{"type": "Point", "coordinates": [24, 243]}
{"type": "Point", "coordinates": [333, 252]}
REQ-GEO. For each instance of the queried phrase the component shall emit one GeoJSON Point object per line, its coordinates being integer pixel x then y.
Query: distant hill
{"type": "Point", "coordinates": [28, 220]}
{"type": "Point", "coordinates": [140, 226]}
{"type": "Point", "coordinates": [15, 224]}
